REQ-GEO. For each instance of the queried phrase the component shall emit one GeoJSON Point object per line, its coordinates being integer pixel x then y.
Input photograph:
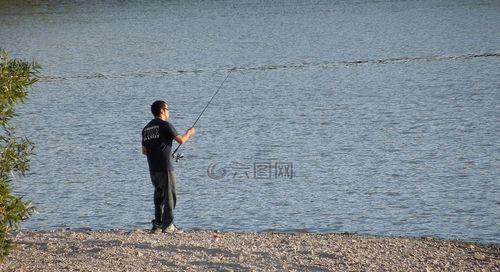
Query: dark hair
{"type": "Point", "coordinates": [157, 106]}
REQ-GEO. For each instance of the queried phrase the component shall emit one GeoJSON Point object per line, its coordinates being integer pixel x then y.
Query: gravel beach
{"type": "Point", "coordinates": [201, 250]}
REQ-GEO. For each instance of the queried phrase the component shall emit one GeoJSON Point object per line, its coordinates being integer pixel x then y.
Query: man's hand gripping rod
{"type": "Point", "coordinates": [179, 156]}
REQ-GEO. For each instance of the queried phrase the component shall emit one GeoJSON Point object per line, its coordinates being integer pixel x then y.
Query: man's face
{"type": "Point", "coordinates": [165, 112]}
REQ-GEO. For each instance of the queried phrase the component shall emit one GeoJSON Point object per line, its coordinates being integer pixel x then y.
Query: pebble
{"type": "Point", "coordinates": [216, 237]}
{"type": "Point", "coordinates": [479, 256]}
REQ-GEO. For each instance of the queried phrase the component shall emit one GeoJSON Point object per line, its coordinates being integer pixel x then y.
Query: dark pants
{"type": "Point", "coordinates": [164, 198]}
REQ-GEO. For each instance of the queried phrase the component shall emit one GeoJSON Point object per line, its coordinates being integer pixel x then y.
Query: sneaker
{"type": "Point", "coordinates": [156, 227]}
{"type": "Point", "coordinates": [155, 230]}
{"type": "Point", "coordinates": [172, 229]}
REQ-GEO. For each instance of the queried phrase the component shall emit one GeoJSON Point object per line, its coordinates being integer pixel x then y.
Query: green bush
{"type": "Point", "coordinates": [16, 76]}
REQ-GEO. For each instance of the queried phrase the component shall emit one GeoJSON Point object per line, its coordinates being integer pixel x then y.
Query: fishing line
{"type": "Point", "coordinates": [180, 156]}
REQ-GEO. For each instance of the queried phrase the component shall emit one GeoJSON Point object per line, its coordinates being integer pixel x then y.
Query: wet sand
{"type": "Point", "coordinates": [201, 250]}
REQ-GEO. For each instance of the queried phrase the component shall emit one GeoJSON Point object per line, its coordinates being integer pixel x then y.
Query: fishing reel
{"type": "Point", "coordinates": [178, 156]}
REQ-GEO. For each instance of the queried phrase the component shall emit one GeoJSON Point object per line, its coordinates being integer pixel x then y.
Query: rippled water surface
{"type": "Point", "coordinates": [387, 112]}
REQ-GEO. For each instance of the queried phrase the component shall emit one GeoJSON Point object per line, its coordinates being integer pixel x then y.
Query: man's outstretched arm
{"type": "Point", "coordinates": [181, 139]}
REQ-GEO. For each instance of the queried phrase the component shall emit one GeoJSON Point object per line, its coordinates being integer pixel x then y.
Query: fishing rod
{"type": "Point", "coordinates": [180, 155]}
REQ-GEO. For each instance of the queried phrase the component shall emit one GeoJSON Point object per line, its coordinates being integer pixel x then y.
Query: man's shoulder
{"type": "Point", "coordinates": [169, 128]}
{"type": "Point", "coordinates": [149, 124]}
{"type": "Point", "coordinates": [156, 122]}
{"type": "Point", "coordinates": [165, 123]}
{"type": "Point", "coordinates": [161, 123]}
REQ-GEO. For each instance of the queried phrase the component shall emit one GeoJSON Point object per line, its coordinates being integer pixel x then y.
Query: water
{"type": "Point", "coordinates": [388, 112]}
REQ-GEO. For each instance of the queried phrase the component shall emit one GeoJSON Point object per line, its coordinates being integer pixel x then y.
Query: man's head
{"type": "Point", "coordinates": [159, 109]}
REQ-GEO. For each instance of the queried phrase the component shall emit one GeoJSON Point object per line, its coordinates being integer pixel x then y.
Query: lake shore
{"type": "Point", "coordinates": [121, 250]}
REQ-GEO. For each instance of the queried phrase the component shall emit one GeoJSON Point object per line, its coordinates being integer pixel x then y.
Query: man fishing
{"type": "Point", "coordinates": [157, 138]}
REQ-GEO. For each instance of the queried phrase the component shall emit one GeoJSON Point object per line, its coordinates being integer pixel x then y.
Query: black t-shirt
{"type": "Point", "coordinates": [157, 137]}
